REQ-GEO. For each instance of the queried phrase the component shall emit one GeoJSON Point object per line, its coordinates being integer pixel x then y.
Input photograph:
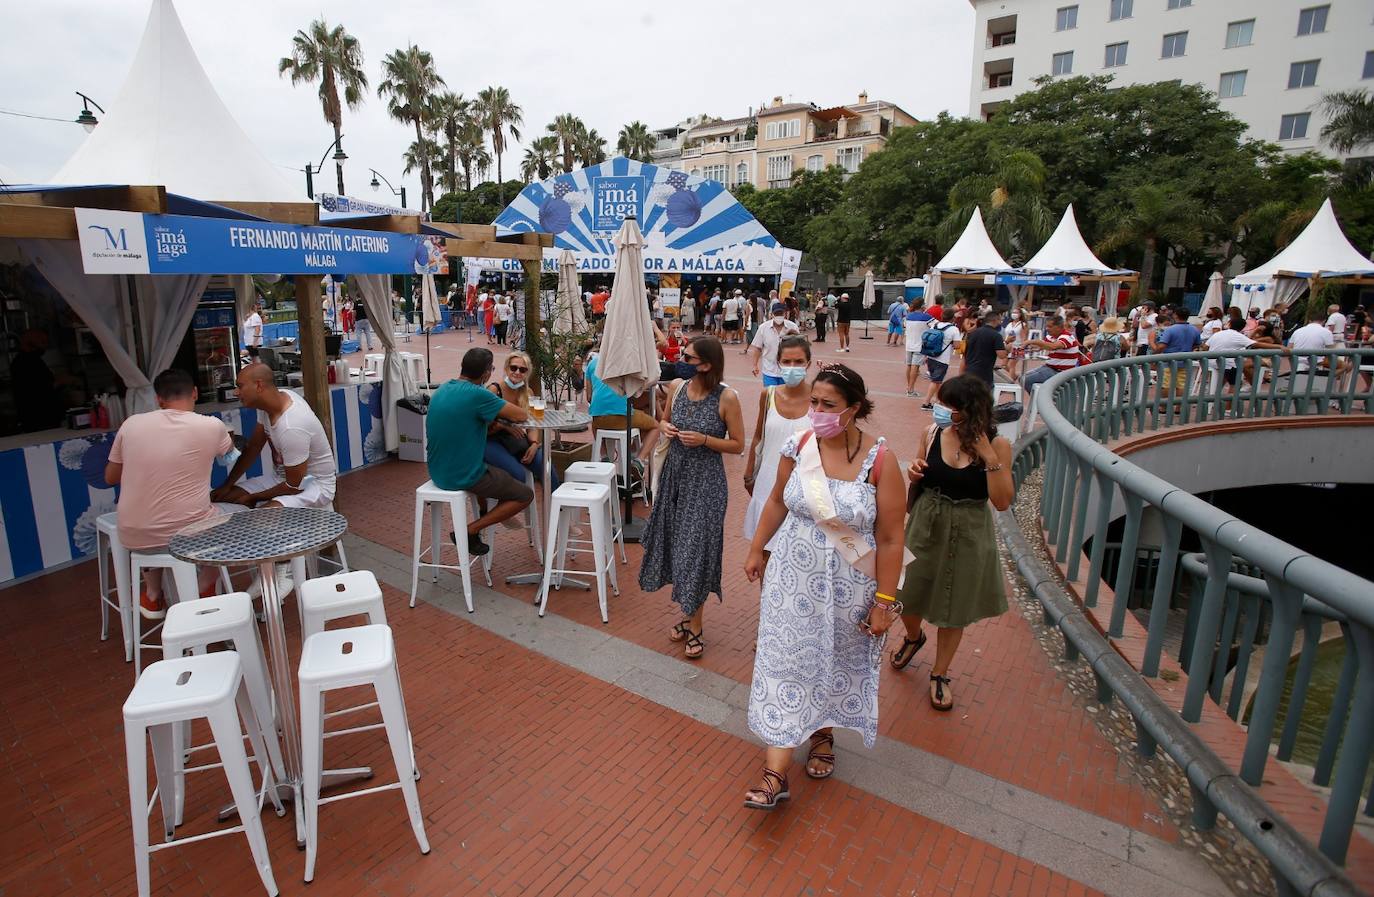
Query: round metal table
{"type": "Point", "coordinates": [261, 538]}
{"type": "Point", "coordinates": [553, 422]}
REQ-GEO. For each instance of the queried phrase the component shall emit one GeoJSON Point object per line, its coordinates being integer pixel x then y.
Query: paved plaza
{"type": "Point", "coordinates": [564, 756]}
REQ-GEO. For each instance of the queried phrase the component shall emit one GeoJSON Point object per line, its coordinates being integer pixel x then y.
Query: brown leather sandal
{"type": "Point", "coordinates": [910, 648]}
{"type": "Point", "coordinates": [819, 741]}
{"type": "Point", "coordinates": [694, 647]}
{"type": "Point", "coordinates": [681, 631]}
{"type": "Point", "coordinates": [940, 697]}
{"type": "Point", "coordinates": [773, 791]}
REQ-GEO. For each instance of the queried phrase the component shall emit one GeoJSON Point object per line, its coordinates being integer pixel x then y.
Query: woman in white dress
{"type": "Point", "coordinates": [1015, 338]}
{"type": "Point", "coordinates": [834, 519]}
{"type": "Point", "coordinates": [782, 415]}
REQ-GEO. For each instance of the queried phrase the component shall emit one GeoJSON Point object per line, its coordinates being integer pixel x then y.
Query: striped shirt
{"type": "Point", "coordinates": [1067, 355]}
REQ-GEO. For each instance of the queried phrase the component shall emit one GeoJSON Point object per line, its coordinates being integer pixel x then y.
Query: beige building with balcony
{"type": "Point", "coordinates": [764, 149]}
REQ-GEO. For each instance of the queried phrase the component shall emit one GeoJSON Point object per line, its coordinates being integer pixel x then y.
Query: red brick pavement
{"type": "Point", "coordinates": [1006, 692]}
{"type": "Point", "coordinates": [537, 779]}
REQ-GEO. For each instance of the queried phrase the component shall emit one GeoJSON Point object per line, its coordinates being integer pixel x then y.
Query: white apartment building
{"type": "Point", "coordinates": [1269, 61]}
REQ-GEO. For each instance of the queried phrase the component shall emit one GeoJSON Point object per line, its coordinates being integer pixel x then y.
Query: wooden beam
{"type": "Point", "coordinates": [528, 238]}
{"type": "Point", "coordinates": [310, 324]}
{"type": "Point", "coordinates": [396, 224]}
{"type": "Point", "coordinates": [36, 222]}
{"type": "Point", "coordinates": [280, 212]}
{"type": "Point", "coordinates": [152, 200]}
{"type": "Point", "coordinates": [484, 249]}
{"type": "Point", "coordinates": [466, 231]}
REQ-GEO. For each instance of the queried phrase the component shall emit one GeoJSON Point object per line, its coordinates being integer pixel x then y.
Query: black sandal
{"type": "Point", "coordinates": [681, 631]}
{"type": "Point", "coordinates": [899, 662]}
{"type": "Point", "coordinates": [821, 740]}
{"type": "Point", "coordinates": [774, 789]}
{"type": "Point", "coordinates": [693, 641]}
{"type": "Point", "coordinates": [938, 698]}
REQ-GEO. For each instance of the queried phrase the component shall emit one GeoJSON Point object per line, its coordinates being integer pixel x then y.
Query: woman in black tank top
{"type": "Point", "coordinates": [955, 579]}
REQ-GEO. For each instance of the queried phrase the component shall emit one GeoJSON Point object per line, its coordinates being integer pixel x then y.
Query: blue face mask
{"type": "Point", "coordinates": [686, 370]}
{"type": "Point", "coordinates": [793, 376]}
{"type": "Point", "coordinates": [513, 385]}
{"type": "Point", "coordinates": [943, 416]}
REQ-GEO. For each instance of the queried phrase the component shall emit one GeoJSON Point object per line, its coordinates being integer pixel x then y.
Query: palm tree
{"type": "Point", "coordinates": [472, 153]}
{"type": "Point", "coordinates": [331, 56]}
{"type": "Point", "coordinates": [541, 159]}
{"type": "Point", "coordinates": [568, 130]}
{"type": "Point", "coordinates": [1350, 119]}
{"type": "Point", "coordinates": [410, 77]}
{"type": "Point", "coordinates": [636, 142]}
{"type": "Point", "coordinates": [1012, 198]}
{"type": "Point", "coordinates": [1157, 213]}
{"type": "Point", "coordinates": [417, 152]}
{"type": "Point", "coordinates": [449, 114]}
{"type": "Point", "coordinates": [498, 115]}
{"type": "Point", "coordinates": [591, 148]}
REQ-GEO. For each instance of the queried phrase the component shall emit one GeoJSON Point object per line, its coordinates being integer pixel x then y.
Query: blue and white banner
{"type": "Point", "coordinates": [1033, 280]}
{"type": "Point", "coordinates": [115, 242]}
{"type": "Point", "coordinates": [690, 224]}
{"type": "Point", "coordinates": [352, 205]}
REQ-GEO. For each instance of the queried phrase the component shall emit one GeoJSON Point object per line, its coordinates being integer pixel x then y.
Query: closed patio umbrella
{"type": "Point", "coordinates": [429, 316]}
{"type": "Point", "coordinates": [568, 314]}
{"type": "Point", "coordinates": [629, 358]}
{"type": "Point", "coordinates": [870, 298]}
{"type": "Point", "coordinates": [1213, 297]}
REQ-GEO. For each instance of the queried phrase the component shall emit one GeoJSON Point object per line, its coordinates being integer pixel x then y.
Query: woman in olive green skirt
{"type": "Point", "coordinates": [964, 471]}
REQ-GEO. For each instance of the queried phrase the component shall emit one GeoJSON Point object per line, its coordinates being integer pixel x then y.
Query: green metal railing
{"type": "Point", "coordinates": [1278, 590]}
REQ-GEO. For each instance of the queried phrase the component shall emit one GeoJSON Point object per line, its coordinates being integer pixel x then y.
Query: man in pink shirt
{"type": "Point", "coordinates": [162, 461]}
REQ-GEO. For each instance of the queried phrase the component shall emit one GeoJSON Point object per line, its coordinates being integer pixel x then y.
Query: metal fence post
{"type": "Point", "coordinates": [1287, 604]}
{"type": "Point", "coordinates": [1359, 741]}
{"type": "Point", "coordinates": [1218, 568]}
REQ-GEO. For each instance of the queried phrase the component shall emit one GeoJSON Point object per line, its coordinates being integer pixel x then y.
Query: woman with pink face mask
{"type": "Point", "coordinates": [833, 525]}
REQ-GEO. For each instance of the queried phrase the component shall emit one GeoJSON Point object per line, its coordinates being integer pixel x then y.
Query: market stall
{"type": "Point", "coordinates": [1320, 254]}
{"type": "Point", "coordinates": [970, 261]}
{"type": "Point", "coordinates": [1065, 260]}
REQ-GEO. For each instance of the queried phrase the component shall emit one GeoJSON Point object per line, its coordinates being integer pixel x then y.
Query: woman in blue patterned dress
{"type": "Point", "coordinates": [834, 526]}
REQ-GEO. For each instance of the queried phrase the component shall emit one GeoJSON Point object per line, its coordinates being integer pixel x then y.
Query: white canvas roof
{"type": "Point", "coordinates": [1066, 252]}
{"type": "Point", "coordinates": [973, 252]}
{"type": "Point", "coordinates": [168, 126]}
{"type": "Point", "coordinates": [1321, 249]}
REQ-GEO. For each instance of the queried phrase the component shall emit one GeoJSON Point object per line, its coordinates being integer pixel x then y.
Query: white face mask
{"type": "Point", "coordinates": [777, 319]}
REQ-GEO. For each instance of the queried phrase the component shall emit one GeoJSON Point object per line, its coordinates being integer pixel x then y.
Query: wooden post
{"type": "Point", "coordinates": [310, 318]}
{"type": "Point", "coordinates": [533, 268]}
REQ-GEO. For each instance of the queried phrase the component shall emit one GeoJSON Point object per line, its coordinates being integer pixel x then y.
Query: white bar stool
{"type": "Point", "coordinates": [372, 363]}
{"type": "Point", "coordinates": [435, 499]}
{"type": "Point", "coordinates": [344, 658]}
{"type": "Point", "coordinates": [601, 438]}
{"type": "Point", "coordinates": [108, 547]}
{"type": "Point", "coordinates": [1007, 392]}
{"type": "Point", "coordinates": [414, 362]}
{"type": "Point", "coordinates": [307, 567]}
{"type": "Point", "coordinates": [568, 500]}
{"type": "Point", "coordinates": [531, 526]}
{"type": "Point", "coordinates": [186, 588]}
{"type": "Point", "coordinates": [603, 473]}
{"type": "Point", "coordinates": [169, 694]}
{"type": "Point", "coordinates": [195, 625]}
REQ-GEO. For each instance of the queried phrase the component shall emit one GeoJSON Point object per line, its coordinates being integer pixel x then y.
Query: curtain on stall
{"type": "Point", "coordinates": [166, 304]}
{"type": "Point", "coordinates": [396, 380]}
{"type": "Point", "coordinates": [1108, 293]}
{"type": "Point", "coordinates": [1288, 290]}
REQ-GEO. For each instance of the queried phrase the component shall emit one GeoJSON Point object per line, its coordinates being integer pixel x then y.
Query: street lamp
{"type": "Point", "coordinates": [375, 185]}
{"type": "Point", "coordinates": [339, 156]}
{"type": "Point", "coordinates": [87, 118]}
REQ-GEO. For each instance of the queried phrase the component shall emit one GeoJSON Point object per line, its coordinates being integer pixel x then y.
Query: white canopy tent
{"type": "Point", "coordinates": [973, 253]}
{"type": "Point", "coordinates": [1320, 252]}
{"type": "Point", "coordinates": [1066, 252]}
{"type": "Point", "coordinates": [168, 126]}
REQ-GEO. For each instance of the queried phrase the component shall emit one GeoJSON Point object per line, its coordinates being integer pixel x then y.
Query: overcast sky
{"type": "Point", "coordinates": [596, 59]}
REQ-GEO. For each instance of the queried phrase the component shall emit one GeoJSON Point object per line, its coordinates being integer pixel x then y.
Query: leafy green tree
{"type": "Point", "coordinates": [499, 115]}
{"type": "Point", "coordinates": [1350, 120]}
{"type": "Point", "coordinates": [333, 57]}
{"type": "Point", "coordinates": [418, 151]}
{"type": "Point", "coordinates": [481, 205]}
{"type": "Point", "coordinates": [1012, 197]}
{"type": "Point", "coordinates": [785, 212]}
{"type": "Point", "coordinates": [636, 141]}
{"type": "Point", "coordinates": [472, 152]}
{"type": "Point", "coordinates": [409, 77]}
{"type": "Point", "coordinates": [1158, 215]}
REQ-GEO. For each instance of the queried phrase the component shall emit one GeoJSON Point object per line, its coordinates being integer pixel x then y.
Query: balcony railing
{"type": "Point", "coordinates": [1005, 39]}
{"type": "Point", "coordinates": [1243, 574]}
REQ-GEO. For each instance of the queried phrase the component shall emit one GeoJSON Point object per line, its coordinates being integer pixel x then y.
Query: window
{"type": "Point", "coordinates": [1116, 55]}
{"type": "Point", "coordinates": [780, 168]}
{"type": "Point", "coordinates": [1312, 20]}
{"type": "Point", "coordinates": [1066, 18]}
{"type": "Point", "coordinates": [815, 163]}
{"type": "Point", "coordinates": [1000, 79]}
{"type": "Point", "coordinates": [1179, 4]}
{"type": "Point", "coordinates": [1232, 84]}
{"type": "Point", "coordinates": [1368, 64]}
{"type": "Point", "coordinates": [741, 173]}
{"type": "Point", "coordinates": [1121, 9]}
{"type": "Point", "coordinates": [1302, 74]}
{"type": "Point", "coordinates": [1240, 34]}
{"type": "Point", "coordinates": [779, 130]}
{"type": "Point", "coordinates": [1062, 64]}
{"type": "Point", "coordinates": [849, 158]}
{"type": "Point", "coordinates": [1294, 127]}
{"type": "Point", "coordinates": [719, 173]}
{"type": "Point", "coordinates": [1174, 44]}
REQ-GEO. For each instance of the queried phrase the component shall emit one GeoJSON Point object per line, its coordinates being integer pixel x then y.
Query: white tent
{"type": "Point", "coordinates": [1321, 251]}
{"type": "Point", "coordinates": [1066, 252]}
{"type": "Point", "coordinates": [973, 252]}
{"type": "Point", "coordinates": [10, 176]}
{"type": "Point", "coordinates": [168, 126]}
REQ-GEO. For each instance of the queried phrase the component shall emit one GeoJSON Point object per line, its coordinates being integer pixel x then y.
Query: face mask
{"type": "Point", "coordinates": [827, 424]}
{"type": "Point", "coordinates": [793, 376]}
{"type": "Point", "coordinates": [231, 457]}
{"type": "Point", "coordinates": [942, 415]}
{"type": "Point", "coordinates": [686, 370]}
{"type": "Point", "coordinates": [777, 319]}
{"type": "Point", "coordinates": [513, 385]}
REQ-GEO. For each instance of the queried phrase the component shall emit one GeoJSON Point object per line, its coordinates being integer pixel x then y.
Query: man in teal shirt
{"type": "Point", "coordinates": [456, 434]}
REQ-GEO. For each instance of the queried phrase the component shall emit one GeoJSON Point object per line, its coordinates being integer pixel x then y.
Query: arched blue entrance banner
{"type": "Point", "coordinates": [679, 214]}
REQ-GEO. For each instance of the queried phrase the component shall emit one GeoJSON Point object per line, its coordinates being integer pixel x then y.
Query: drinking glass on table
{"type": "Point", "coordinates": [537, 407]}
